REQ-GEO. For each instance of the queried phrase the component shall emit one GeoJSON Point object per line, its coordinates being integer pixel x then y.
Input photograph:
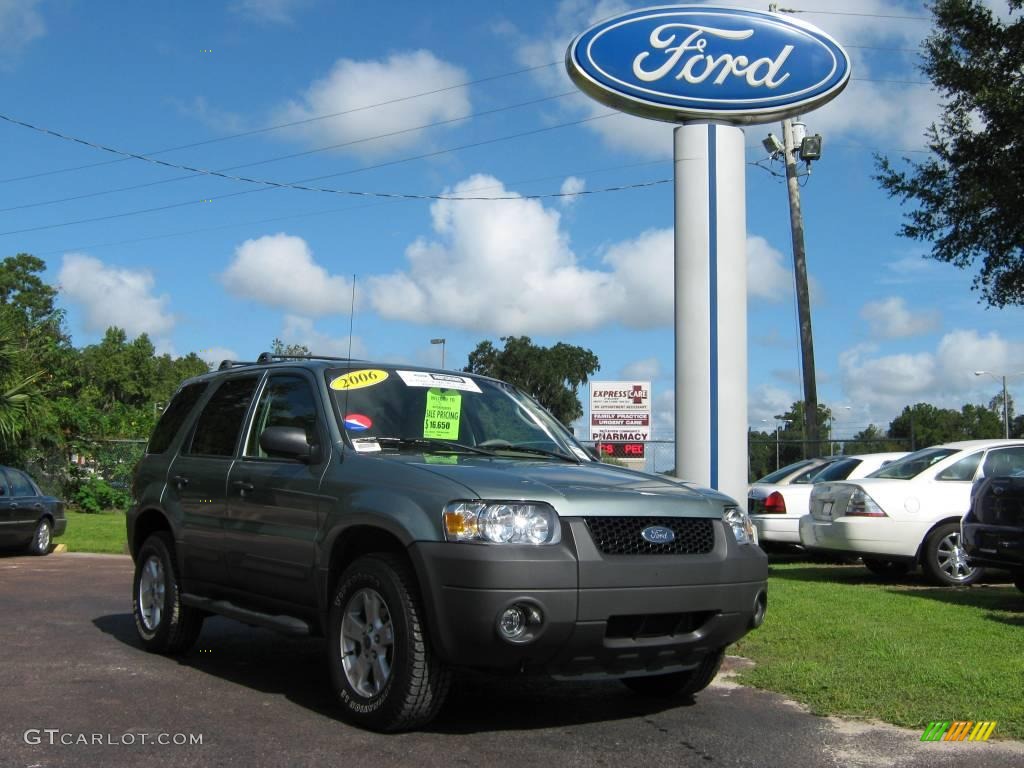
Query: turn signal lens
{"type": "Point", "coordinates": [501, 522]}
{"type": "Point", "coordinates": [862, 505]}
{"type": "Point", "coordinates": [775, 504]}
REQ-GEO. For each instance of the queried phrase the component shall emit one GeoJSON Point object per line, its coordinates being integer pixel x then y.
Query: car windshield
{"type": "Point", "coordinates": [781, 474]}
{"type": "Point", "coordinates": [392, 409]}
{"type": "Point", "coordinates": [913, 464]}
{"type": "Point", "coordinates": [837, 470]}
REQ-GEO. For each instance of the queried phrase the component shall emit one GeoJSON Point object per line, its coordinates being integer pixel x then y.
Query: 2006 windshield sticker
{"type": "Point", "coordinates": [367, 377]}
{"type": "Point", "coordinates": [443, 414]}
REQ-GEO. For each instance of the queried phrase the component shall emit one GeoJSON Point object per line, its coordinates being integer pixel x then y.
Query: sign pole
{"type": "Point", "coordinates": [711, 306]}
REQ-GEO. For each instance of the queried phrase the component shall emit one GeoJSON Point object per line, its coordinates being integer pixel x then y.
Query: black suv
{"type": "Point", "coordinates": [423, 519]}
{"type": "Point", "coordinates": [993, 528]}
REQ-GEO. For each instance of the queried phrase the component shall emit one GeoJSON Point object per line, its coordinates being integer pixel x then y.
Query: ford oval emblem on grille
{"type": "Point", "coordinates": [658, 534]}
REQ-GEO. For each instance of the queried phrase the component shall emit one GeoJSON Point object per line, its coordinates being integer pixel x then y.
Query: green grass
{"type": "Point", "coordinates": [103, 532]}
{"type": "Point", "coordinates": [844, 643]}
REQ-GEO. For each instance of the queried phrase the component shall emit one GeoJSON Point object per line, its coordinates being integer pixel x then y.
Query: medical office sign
{"type": "Point", "coordinates": [620, 411]}
{"type": "Point", "coordinates": [679, 63]}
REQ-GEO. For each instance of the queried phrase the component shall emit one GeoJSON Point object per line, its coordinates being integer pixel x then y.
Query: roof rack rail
{"type": "Point", "coordinates": [267, 357]}
{"type": "Point", "coordinates": [226, 364]}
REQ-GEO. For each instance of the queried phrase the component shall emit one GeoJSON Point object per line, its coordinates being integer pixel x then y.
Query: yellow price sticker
{"type": "Point", "coordinates": [367, 377]}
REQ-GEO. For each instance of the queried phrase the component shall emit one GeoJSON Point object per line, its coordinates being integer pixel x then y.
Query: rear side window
{"type": "Point", "coordinates": [172, 419]}
{"type": "Point", "coordinates": [220, 422]}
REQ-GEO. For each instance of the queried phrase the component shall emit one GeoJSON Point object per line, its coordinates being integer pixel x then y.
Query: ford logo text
{"type": "Point", "coordinates": [689, 62]}
{"type": "Point", "coordinates": [658, 534]}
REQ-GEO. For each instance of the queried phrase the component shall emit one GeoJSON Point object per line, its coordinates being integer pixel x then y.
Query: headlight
{"type": "Point", "coordinates": [501, 522]}
{"type": "Point", "coordinates": [739, 522]}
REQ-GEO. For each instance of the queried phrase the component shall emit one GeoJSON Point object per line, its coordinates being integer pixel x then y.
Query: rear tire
{"type": "Point", "coordinates": [887, 569]}
{"type": "Point", "coordinates": [385, 674]}
{"type": "Point", "coordinates": [163, 624]}
{"type": "Point", "coordinates": [42, 538]}
{"type": "Point", "coordinates": [944, 559]}
{"type": "Point", "coordinates": [681, 684]}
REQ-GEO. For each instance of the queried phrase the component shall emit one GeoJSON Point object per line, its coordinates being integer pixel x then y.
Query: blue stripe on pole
{"type": "Point", "coordinates": [713, 287]}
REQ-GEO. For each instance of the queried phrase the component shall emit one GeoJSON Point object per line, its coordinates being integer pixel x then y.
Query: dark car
{"type": "Point", "coordinates": [28, 517]}
{"type": "Point", "coordinates": [993, 528]}
{"type": "Point", "coordinates": [423, 520]}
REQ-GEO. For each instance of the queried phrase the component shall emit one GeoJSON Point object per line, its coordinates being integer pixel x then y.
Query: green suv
{"type": "Point", "coordinates": [423, 520]}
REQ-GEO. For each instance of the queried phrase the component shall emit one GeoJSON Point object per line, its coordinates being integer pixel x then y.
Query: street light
{"type": "Point", "coordinates": [778, 423]}
{"type": "Point", "coordinates": [831, 421]}
{"type": "Point", "coordinates": [1006, 407]}
{"type": "Point", "coordinates": [441, 342]}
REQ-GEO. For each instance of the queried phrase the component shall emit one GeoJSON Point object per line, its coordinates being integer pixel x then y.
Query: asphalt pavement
{"type": "Point", "coordinates": [77, 690]}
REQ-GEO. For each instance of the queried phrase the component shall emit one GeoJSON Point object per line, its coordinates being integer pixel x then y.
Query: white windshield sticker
{"type": "Point", "coordinates": [441, 380]}
{"type": "Point", "coordinates": [366, 445]}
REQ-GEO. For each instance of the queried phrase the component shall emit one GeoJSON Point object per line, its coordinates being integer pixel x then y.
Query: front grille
{"type": "Point", "coordinates": [621, 535]}
{"type": "Point", "coordinates": [648, 625]}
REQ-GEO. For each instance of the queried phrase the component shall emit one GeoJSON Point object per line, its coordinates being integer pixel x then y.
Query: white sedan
{"type": "Point", "coordinates": [776, 508]}
{"type": "Point", "coordinates": [908, 513]}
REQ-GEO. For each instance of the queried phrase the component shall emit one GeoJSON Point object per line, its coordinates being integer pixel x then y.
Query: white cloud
{"type": "Point", "coordinates": [351, 86]}
{"type": "Point", "coordinates": [889, 318]}
{"type": "Point", "coordinates": [273, 11]}
{"type": "Point", "coordinates": [883, 385]}
{"type": "Point", "coordinates": [279, 271]}
{"type": "Point", "coordinates": [300, 330]}
{"type": "Point", "coordinates": [109, 296]}
{"type": "Point", "coordinates": [571, 187]}
{"type": "Point", "coordinates": [507, 267]}
{"type": "Point", "coordinates": [646, 369]}
{"type": "Point", "coordinates": [766, 402]}
{"type": "Point", "coordinates": [766, 277]}
{"type": "Point", "coordinates": [20, 24]}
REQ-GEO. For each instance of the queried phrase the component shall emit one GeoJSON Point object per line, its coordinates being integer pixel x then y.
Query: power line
{"type": "Point", "coordinates": [281, 126]}
{"type": "Point", "coordinates": [279, 158]}
{"type": "Point", "coordinates": [325, 211]}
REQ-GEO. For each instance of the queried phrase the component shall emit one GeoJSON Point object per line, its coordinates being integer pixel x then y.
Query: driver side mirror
{"type": "Point", "coordinates": [289, 443]}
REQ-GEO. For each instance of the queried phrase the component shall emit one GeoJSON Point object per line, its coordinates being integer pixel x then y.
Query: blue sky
{"type": "Point", "coordinates": [222, 267]}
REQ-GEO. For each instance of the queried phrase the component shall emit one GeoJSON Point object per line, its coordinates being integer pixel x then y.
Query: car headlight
{"type": "Point", "coordinates": [738, 521]}
{"type": "Point", "coordinates": [501, 522]}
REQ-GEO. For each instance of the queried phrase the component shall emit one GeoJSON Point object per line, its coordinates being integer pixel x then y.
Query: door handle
{"type": "Point", "coordinates": [180, 480]}
{"type": "Point", "coordinates": [243, 486]}
{"type": "Point", "coordinates": [37, 506]}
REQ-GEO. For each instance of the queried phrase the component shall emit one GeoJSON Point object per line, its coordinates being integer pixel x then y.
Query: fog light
{"type": "Point", "coordinates": [760, 610]}
{"type": "Point", "coordinates": [512, 623]}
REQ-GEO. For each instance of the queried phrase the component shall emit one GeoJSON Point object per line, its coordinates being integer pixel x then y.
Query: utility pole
{"type": "Point", "coordinates": [803, 301]}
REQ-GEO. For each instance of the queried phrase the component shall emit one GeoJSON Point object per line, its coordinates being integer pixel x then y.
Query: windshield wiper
{"type": "Point", "coordinates": [539, 452]}
{"type": "Point", "coordinates": [431, 442]}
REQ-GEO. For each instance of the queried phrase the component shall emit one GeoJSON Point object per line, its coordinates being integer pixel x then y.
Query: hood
{"type": "Point", "coordinates": [590, 489]}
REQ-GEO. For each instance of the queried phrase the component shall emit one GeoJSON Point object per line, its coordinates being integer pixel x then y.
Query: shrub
{"type": "Point", "coordinates": [96, 495]}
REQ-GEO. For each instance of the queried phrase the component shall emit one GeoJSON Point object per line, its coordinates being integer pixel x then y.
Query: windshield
{"type": "Point", "coordinates": [837, 470]}
{"type": "Point", "coordinates": [393, 409]}
{"type": "Point", "coordinates": [913, 464]}
{"type": "Point", "coordinates": [782, 474]}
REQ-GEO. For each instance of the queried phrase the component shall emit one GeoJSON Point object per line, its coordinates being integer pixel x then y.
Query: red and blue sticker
{"type": "Point", "coordinates": [356, 422]}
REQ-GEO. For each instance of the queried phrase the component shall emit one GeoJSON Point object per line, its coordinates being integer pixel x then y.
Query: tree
{"type": "Point", "coordinates": [20, 395]}
{"type": "Point", "coordinates": [794, 445]}
{"type": "Point", "coordinates": [923, 424]}
{"type": "Point", "coordinates": [553, 375]}
{"type": "Point", "coordinates": [967, 194]}
{"type": "Point", "coordinates": [874, 440]}
{"type": "Point", "coordinates": [278, 347]}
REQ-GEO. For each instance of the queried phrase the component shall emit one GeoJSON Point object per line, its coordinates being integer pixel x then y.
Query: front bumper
{"type": "Point", "coordinates": [993, 546]}
{"type": "Point", "coordinates": [602, 615]}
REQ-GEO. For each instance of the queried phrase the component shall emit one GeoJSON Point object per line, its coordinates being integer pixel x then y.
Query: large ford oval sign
{"type": "Point", "coordinates": [694, 62]}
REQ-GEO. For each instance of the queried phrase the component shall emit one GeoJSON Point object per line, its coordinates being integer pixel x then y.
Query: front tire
{"type": "Point", "coordinates": [384, 671]}
{"type": "Point", "coordinates": [42, 538]}
{"type": "Point", "coordinates": [681, 684]}
{"type": "Point", "coordinates": [163, 624]}
{"type": "Point", "coordinates": [887, 569]}
{"type": "Point", "coordinates": [945, 560]}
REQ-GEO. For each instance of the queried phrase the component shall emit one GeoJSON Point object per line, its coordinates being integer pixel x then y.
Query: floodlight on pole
{"type": "Point", "coordinates": [441, 342]}
{"type": "Point", "coordinates": [1006, 400]}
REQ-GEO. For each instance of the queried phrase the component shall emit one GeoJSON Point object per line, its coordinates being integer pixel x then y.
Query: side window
{"type": "Point", "coordinates": [219, 424]}
{"type": "Point", "coordinates": [172, 418]}
{"type": "Point", "coordinates": [287, 401]}
{"type": "Point", "coordinates": [20, 484]}
{"type": "Point", "coordinates": [1003, 461]}
{"type": "Point", "coordinates": [961, 470]}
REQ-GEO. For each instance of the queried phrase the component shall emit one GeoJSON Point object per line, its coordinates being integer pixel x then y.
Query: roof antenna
{"type": "Point", "coordinates": [351, 323]}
